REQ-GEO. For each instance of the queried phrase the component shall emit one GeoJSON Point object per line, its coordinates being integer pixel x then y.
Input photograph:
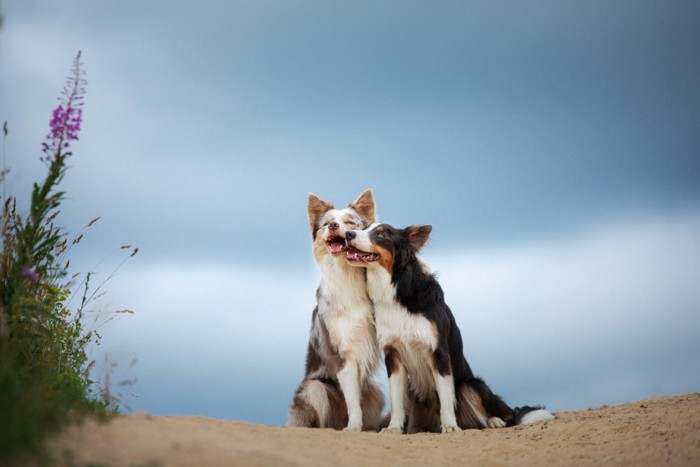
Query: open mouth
{"type": "Point", "coordinates": [357, 256]}
{"type": "Point", "coordinates": [336, 245]}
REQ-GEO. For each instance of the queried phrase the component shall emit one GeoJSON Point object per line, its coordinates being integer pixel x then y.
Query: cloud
{"type": "Point", "coordinates": [621, 275]}
{"type": "Point", "coordinates": [210, 339]}
{"type": "Point", "coordinates": [511, 125]}
{"type": "Point", "coordinates": [595, 317]}
{"type": "Point", "coordinates": [598, 319]}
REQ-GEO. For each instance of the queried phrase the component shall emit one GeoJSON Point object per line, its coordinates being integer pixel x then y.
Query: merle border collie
{"type": "Point", "coordinates": [338, 390]}
{"type": "Point", "coordinates": [428, 375]}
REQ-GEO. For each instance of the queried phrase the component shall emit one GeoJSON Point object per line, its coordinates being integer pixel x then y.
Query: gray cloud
{"type": "Point", "coordinates": [606, 317]}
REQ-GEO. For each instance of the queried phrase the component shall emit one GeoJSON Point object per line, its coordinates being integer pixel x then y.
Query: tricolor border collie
{"type": "Point", "coordinates": [421, 341]}
{"type": "Point", "coordinates": [338, 390]}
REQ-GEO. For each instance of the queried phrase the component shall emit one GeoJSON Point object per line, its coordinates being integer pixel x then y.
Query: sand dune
{"type": "Point", "coordinates": [659, 431]}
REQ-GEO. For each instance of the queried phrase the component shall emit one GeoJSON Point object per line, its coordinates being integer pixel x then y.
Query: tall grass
{"type": "Point", "coordinates": [44, 367]}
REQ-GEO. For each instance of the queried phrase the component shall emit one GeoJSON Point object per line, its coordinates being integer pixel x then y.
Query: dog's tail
{"type": "Point", "coordinates": [318, 403]}
{"type": "Point", "coordinates": [479, 407]}
{"type": "Point", "coordinates": [529, 415]}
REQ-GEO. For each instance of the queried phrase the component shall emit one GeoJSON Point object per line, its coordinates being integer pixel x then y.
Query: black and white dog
{"type": "Point", "coordinates": [338, 390]}
{"type": "Point", "coordinates": [421, 341]}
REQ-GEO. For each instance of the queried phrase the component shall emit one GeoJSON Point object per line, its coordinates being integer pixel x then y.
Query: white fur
{"type": "Point", "coordinates": [397, 392]}
{"type": "Point", "coordinates": [536, 416]}
{"type": "Point", "coordinates": [347, 312]}
{"type": "Point", "coordinates": [393, 320]}
{"type": "Point", "coordinates": [410, 334]}
{"type": "Point", "coordinates": [495, 422]}
{"type": "Point", "coordinates": [445, 386]}
{"type": "Point", "coordinates": [350, 384]}
{"type": "Point", "coordinates": [414, 338]}
{"type": "Point", "coordinates": [316, 394]}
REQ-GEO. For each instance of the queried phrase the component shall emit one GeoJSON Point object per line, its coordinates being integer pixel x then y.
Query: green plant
{"type": "Point", "coordinates": [44, 368]}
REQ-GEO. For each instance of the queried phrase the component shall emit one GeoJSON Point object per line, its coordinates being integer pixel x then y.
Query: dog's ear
{"type": "Point", "coordinates": [317, 208]}
{"type": "Point", "coordinates": [417, 235]}
{"type": "Point", "coordinates": [364, 204]}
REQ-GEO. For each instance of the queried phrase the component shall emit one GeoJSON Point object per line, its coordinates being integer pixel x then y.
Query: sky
{"type": "Point", "coordinates": [554, 146]}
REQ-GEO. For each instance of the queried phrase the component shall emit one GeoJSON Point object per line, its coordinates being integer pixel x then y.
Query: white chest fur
{"type": "Point", "coordinates": [412, 335]}
{"type": "Point", "coordinates": [347, 312]}
{"type": "Point", "coordinates": [394, 322]}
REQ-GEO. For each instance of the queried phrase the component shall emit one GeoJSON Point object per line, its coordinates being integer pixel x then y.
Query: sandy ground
{"type": "Point", "coordinates": [659, 431]}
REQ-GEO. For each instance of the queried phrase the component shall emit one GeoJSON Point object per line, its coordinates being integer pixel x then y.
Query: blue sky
{"type": "Point", "coordinates": [554, 147]}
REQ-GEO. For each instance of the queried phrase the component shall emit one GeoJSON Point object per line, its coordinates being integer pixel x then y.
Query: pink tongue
{"type": "Point", "coordinates": [337, 247]}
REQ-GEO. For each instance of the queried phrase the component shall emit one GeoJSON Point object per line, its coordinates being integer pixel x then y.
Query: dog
{"type": "Point", "coordinates": [338, 390]}
{"type": "Point", "coordinates": [421, 341]}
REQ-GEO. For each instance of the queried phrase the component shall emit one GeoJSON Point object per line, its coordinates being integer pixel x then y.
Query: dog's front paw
{"type": "Point", "coordinates": [353, 428]}
{"type": "Point", "coordinates": [394, 430]}
{"type": "Point", "coordinates": [451, 429]}
{"type": "Point", "coordinates": [495, 422]}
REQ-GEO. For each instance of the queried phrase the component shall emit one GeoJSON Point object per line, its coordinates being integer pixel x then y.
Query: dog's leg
{"type": "Point", "coordinates": [398, 382]}
{"type": "Point", "coordinates": [446, 393]}
{"type": "Point", "coordinates": [349, 380]}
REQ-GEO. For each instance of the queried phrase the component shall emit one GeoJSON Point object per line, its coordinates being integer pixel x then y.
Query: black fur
{"type": "Point", "coordinates": [420, 293]}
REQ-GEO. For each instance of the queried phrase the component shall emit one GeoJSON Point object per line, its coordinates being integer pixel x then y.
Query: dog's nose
{"type": "Point", "coordinates": [350, 234]}
{"type": "Point", "coordinates": [333, 226]}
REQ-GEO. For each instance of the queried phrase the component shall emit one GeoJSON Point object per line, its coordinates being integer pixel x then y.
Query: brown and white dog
{"type": "Point", "coordinates": [421, 341]}
{"type": "Point", "coordinates": [338, 390]}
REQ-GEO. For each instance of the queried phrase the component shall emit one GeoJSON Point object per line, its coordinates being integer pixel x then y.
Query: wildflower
{"type": "Point", "coordinates": [65, 123]}
{"type": "Point", "coordinates": [29, 273]}
{"type": "Point", "coordinates": [67, 117]}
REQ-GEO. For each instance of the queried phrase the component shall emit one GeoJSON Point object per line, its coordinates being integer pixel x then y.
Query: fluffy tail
{"type": "Point", "coordinates": [530, 415]}
{"type": "Point", "coordinates": [479, 407]}
{"type": "Point", "coordinates": [318, 404]}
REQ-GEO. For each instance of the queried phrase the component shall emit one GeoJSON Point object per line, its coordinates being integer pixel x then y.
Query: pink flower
{"type": "Point", "coordinates": [29, 273]}
{"type": "Point", "coordinates": [65, 123]}
{"type": "Point", "coordinates": [67, 117]}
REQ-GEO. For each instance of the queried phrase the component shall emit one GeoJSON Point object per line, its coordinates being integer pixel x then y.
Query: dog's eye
{"type": "Point", "coordinates": [380, 235]}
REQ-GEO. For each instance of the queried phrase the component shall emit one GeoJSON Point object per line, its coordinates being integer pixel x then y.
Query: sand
{"type": "Point", "coordinates": [659, 431]}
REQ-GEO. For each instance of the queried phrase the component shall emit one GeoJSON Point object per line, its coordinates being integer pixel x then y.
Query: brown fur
{"type": "Point", "coordinates": [342, 346]}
